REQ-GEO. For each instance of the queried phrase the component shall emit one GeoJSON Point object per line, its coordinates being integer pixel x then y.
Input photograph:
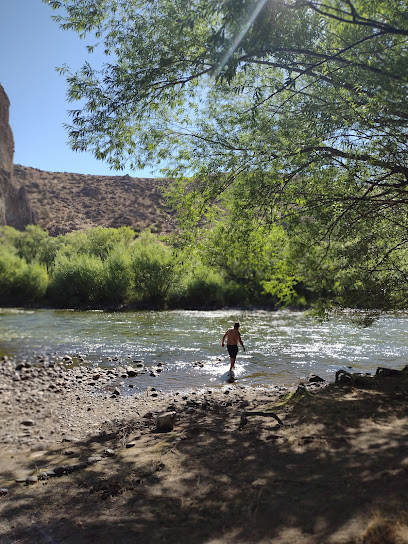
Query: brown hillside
{"type": "Point", "coordinates": [64, 202]}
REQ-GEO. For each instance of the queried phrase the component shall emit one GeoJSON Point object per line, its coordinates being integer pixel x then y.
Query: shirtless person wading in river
{"type": "Point", "coordinates": [233, 337]}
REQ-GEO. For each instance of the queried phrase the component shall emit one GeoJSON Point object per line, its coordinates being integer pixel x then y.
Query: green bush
{"type": "Point", "coordinates": [98, 241]}
{"type": "Point", "coordinates": [20, 282]}
{"type": "Point", "coordinates": [27, 244]}
{"type": "Point", "coordinates": [30, 241]}
{"type": "Point", "coordinates": [9, 237]}
{"type": "Point", "coordinates": [104, 267]}
{"type": "Point", "coordinates": [118, 277]}
{"type": "Point", "coordinates": [77, 281]}
{"type": "Point", "coordinates": [48, 250]}
{"type": "Point", "coordinates": [10, 269]}
{"type": "Point", "coordinates": [155, 270]}
{"type": "Point", "coordinates": [32, 282]}
{"type": "Point", "coordinates": [201, 288]}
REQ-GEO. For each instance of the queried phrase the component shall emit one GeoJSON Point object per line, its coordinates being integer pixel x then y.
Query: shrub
{"type": "Point", "coordinates": [155, 269]}
{"type": "Point", "coordinates": [10, 268]}
{"type": "Point", "coordinates": [118, 277]}
{"type": "Point", "coordinates": [20, 282]}
{"type": "Point", "coordinates": [30, 241]}
{"type": "Point", "coordinates": [48, 250]}
{"type": "Point", "coordinates": [32, 282]}
{"type": "Point", "coordinates": [201, 287]}
{"type": "Point", "coordinates": [99, 241]}
{"type": "Point", "coordinates": [77, 280]}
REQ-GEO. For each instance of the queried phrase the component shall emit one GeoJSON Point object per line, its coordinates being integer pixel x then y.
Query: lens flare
{"type": "Point", "coordinates": [257, 9]}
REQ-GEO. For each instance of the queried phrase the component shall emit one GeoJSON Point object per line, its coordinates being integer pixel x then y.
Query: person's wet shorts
{"type": "Point", "coordinates": [232, 350]}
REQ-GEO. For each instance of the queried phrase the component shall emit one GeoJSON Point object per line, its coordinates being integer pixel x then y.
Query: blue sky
{"type": "Point", "coordinates": [31, 46]}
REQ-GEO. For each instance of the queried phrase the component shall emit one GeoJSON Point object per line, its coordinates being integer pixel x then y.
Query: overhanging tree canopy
{"type": "Point", "coordinates": [284, 85]}
{"type": "Point", "coordinates": [295, 103]}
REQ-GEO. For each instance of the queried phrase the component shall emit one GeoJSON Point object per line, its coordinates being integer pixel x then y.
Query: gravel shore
{"type": "Point", "coordinates": [83, 460]}
{"type": "Point", "coordinates": [50, 401]}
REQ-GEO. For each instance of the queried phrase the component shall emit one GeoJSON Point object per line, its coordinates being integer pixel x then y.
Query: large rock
{"type": "Point", "coordinates": [165, 421]}
{"type": "Point", "coordinates": [15, 209]}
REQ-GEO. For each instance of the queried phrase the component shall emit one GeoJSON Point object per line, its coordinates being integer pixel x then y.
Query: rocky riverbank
{"type": "Point", "coordinates": [49, 400]}
{"type": "Point", "coordinates": [81, 462]}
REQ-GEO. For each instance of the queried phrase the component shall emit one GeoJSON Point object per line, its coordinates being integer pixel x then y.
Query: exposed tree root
{"type": "Point", "coordinates": [244, 417]}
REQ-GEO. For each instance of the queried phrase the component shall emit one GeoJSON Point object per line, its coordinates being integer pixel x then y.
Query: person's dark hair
{"type": "Point", "coordinates": [236, 325]}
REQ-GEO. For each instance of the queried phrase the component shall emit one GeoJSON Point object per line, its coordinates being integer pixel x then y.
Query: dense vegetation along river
{"type": "Point", "coordinates": [282, 347]}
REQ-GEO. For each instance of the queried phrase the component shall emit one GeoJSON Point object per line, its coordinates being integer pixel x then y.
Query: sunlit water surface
{"type": "Point", "coordinates": [282, 347]}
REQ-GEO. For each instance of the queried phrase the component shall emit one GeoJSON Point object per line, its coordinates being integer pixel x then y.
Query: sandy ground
{"type": "Point", "coordinates": [81, 465]}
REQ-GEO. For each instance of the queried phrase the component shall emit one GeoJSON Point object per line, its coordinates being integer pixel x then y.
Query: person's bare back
{"type": "Point", "coordinates": [233, 338]}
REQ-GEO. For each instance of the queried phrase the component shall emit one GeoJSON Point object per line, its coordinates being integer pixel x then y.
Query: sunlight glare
{"type": "Point", "coordinates": [258, 7]}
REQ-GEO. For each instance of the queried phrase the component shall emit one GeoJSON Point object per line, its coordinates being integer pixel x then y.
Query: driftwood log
{"type": "Point", "coordinates": [390, 372]}
{"type": "Point", "coordinates": [244, 417]}
{"type": "Point", "coordinates": [366, 380]}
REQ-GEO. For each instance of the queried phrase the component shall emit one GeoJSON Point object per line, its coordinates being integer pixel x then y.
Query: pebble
{"type": "Point", "coordinates": [315, 379]}
{"type": "Point", "coordinates": [31, 395]}
{"type": "Point", "coordinates": [28, 422]}
{"type": "Point", "coordinates": [94, 459]}
{"type": "Point", "coordinates": [3, 491]}
{"type": "Point", "coordinates": [261, 482]}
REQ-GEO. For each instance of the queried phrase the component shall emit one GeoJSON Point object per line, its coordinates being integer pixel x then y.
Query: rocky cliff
{"type": "Point", "coordinates": [61, 202]}
{"type": "Point", "coordinates": [14, 206]}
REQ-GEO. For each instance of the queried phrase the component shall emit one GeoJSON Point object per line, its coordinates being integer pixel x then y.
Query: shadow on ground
{"type": "Point", "coordinates": [340, 458]}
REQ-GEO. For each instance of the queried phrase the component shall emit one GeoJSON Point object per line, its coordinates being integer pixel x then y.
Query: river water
{"type": "Point", "coordinates": [282, 347]}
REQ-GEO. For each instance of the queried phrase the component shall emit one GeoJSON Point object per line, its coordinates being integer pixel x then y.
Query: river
{"type": "Point", "coordinates": [282, 347]}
